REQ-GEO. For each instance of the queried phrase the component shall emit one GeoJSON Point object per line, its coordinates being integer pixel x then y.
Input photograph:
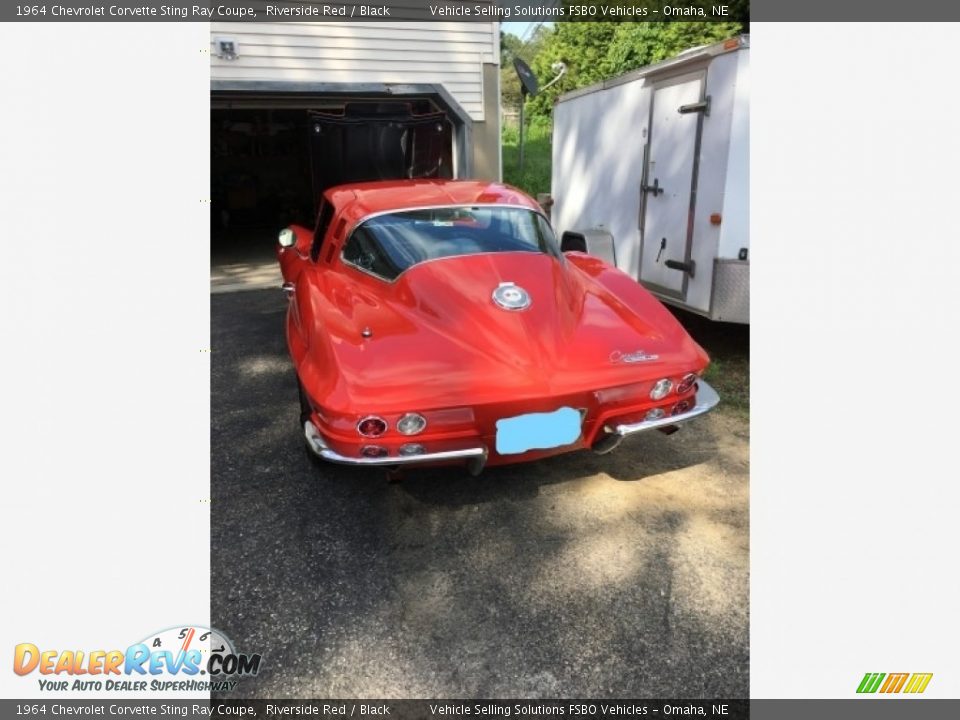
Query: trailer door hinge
{"type": "Point", "coordinates": [702, 106]}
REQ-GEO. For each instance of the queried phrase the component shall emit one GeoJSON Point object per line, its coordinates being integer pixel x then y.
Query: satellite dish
{"type": "Point", "coordinates": [528, 81]}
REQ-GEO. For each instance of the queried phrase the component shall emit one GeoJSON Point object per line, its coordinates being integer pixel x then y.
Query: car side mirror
{"type": "Point", "coordinates": [573, 242]}
{"type": "Point", "coordinates": [287, 238]}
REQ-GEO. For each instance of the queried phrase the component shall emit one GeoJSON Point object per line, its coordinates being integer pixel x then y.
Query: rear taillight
{"type": "Point", "coordinates": [689, 380]}
{"type": "Point", "coordinates": [681, 407]}
{"type": "Point", "coordinates": [372, 426]}
{"type": "Point", "coordinates": [373, 451]}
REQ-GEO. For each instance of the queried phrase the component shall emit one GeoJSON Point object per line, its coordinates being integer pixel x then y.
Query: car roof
{"type": "Point", "coordinates": [358, 200]}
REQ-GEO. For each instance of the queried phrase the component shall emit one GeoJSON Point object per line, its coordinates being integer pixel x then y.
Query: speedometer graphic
{"type": "Point", "coordinates": [197, 649]}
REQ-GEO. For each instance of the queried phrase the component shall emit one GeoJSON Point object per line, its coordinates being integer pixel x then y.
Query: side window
{"type": "Point", "coordinates": [364, 251]}
{"type": "Point", "coordinates": [548, 239]}
{"type": "Point", "coordinates": [323, 222]}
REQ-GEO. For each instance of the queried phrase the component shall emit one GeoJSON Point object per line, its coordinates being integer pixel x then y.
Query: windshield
{"type": "Point", "coordinates": [386, 245]}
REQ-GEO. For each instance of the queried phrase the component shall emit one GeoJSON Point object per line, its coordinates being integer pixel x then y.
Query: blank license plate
{"type": "Point", "coordinates": [537, 431]}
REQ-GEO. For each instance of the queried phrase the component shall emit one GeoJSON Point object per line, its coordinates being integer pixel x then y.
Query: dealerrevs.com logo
{"type": "Point", "coordinates": [911, 683]}
{"type": "Point", "coordinates": [186, 658]}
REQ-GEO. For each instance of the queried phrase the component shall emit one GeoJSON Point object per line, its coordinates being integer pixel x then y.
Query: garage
{"type": "Point", "coordinates": [273, 155]}
{"type": "Point", "coordinates": [298, 108]}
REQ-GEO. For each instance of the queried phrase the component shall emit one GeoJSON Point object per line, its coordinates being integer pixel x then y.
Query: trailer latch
{"type": "Point", "coordinates": [655, 188]}
{"type": "Point", "coordinates": [690, 268]}
{"type": "Point", "coordinates": [702, 106]}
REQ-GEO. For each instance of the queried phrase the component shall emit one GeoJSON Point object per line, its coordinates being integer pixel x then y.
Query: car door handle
{"type": "Point", "coordinates": [288, 289]}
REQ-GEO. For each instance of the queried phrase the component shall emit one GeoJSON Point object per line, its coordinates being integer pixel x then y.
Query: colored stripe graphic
{"type": "Point", "coordinates": [870, 682]}
{"type": "Point", "coordinates": [186, 640]}
{"type": "Point", "coordinates": [918, 682]}
{"type": "Point", "coordinates": [894, 682]}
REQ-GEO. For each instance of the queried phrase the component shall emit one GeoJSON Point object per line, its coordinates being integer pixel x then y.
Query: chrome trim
{"type": "Point", "coordinates": [317, 445]}
{"type": "Point", "coordinates": [386, 426]}
{"type": "Point", "coordinates": [289, 289]}
{"type": "Point", "coordinates": [286, 233]}
{"type": "Point", "coordinates": [707, 400]}
{"type": "Point", "coordinates": [443, 206]}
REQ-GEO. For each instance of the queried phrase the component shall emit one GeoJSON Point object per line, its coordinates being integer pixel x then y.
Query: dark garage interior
{"type": "Point", "coordinates": [270, 164]}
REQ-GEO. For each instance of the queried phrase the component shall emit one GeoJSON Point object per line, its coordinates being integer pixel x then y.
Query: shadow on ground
{"type": "Point", "coordinates": [579, 576]}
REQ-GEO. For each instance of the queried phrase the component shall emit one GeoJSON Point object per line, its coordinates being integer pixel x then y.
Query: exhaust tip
{"type": "Point", "coordinates": [607, 443]}
{"type": "Point", "coordinates": [475, 465]}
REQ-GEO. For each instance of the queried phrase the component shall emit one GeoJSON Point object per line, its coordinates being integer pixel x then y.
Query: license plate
{"type": "Point", "coordinates": [538, 431]}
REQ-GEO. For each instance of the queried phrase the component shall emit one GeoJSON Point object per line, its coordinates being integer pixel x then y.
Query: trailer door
{"type": "Point", "coordinates": [669, 184]}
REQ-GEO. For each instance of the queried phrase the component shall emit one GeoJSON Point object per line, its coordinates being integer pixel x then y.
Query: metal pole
{"type": "Point", "coordinates": [523, 101]}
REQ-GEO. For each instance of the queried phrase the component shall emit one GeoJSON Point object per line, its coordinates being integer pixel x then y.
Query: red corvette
{"type": "Point", "coordinates": [437, 321]}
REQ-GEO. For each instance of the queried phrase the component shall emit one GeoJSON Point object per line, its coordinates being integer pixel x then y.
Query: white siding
{"type": "Point", "coordinates": [451, 54]}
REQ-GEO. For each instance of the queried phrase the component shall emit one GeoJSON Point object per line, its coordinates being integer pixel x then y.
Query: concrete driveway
{"type": "Point", "coordinates": [580, 576]}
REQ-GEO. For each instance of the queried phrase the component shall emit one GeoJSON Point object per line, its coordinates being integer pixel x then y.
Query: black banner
{"type": "Point", "coordinates": [477, 11]}
{"type": "Point", "coordinates": [380, 709]}
{"type": "Point", "coordinates": [332, 709]}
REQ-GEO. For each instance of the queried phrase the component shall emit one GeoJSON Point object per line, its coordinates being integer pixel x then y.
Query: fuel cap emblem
{"type": "Point", "coordinates": [510, 296]}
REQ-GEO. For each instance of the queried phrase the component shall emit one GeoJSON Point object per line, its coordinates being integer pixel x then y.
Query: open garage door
{"type": "Point", "coordinates": [273, 155]}
{"type": "Point", "coordinates": [379, 141]}
{"type": "Point", "coordinates": [269, 166]}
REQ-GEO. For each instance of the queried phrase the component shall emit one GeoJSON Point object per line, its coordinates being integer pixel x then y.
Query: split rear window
{"type": "Point", "coordinates": [389, 244]}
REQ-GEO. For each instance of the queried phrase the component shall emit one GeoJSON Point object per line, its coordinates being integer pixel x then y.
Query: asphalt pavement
{"type": "Point", "coordinates": [616, 576]}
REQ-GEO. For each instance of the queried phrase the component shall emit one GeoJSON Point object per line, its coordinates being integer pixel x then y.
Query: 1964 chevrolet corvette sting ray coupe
{"type": "Point", "coordinates": [437, 321]}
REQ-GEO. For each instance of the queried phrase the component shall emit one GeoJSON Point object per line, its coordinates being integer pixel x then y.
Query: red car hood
{"type": "Point", "coordinates": [438, 334]}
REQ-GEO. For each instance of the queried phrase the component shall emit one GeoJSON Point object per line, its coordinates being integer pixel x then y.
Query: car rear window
{"type": "Point", "coordinates": [388, 244]}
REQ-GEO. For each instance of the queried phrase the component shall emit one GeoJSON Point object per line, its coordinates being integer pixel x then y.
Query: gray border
{"type": "Point", "coordinates": [863, 708]}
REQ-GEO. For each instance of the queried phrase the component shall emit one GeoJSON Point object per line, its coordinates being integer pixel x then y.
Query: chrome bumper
{"type": "Point", "coordinates": [478, 455]}
{"type": "Point", "coordinates": [706, 400]}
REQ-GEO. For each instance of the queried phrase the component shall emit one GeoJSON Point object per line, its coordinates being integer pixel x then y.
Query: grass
{"type": "Point", "coordinates": [728, 345]}
{"type": "Point", "coordinates": [535, 177]}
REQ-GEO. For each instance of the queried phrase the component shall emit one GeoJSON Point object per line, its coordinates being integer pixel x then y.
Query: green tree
{"type": "Point", "coordinates": [595, 51]}
{"type": "Point", "coordinates": [512, 47]}
{"type": "Point", "coordinates": [637, 44]}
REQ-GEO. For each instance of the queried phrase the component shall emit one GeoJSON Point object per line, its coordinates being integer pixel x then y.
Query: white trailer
{"type": "Point", "coordinates": [658, 159]}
